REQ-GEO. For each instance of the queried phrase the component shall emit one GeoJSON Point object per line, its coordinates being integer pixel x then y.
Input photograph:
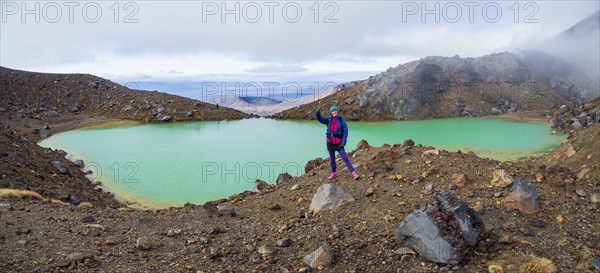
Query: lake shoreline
{"type": "Point", "coordinates": [90, 122]}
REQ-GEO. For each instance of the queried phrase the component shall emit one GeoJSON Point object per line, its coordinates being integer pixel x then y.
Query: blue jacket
{"type": "Point", "coordinates": [342, 129]}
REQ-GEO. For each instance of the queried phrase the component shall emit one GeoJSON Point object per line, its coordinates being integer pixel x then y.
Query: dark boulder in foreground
{"type": "Point", "coordinates": [443, 231]}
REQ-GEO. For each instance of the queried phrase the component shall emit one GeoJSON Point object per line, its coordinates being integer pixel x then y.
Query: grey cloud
{"type": "Point", "coordinates": [364, 30]}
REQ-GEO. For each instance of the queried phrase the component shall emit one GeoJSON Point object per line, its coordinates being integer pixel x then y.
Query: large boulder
{"type": "Point", "coordinates": [143, 243]}
{"type": "Point", "coordinates": [362, 144]}
{"type": "Point", "coordinates": [74, 109]}
{"type": "Point", "coordinates": [524, 197]}
{"type": "Point", "coordinates": [320, 257]}
{"type": "Point", "coordinates": [52, 113]}
{"type": "Point", "coordinates": [575, 124]}
{"type": "Point", "coordinates": [363, 101]}
{"type": "Point", "coordinates": [460, 179]}
{"type": "Point", "coordinates": [260, 186]}
{"type": "Point", "coordinates": [513, 107]}
{"type": "Point", "coordinates": [79, 163]}
{"type": "Point", "coordinates": [329, 197]}
{"type": "Point", "coordinates": [282, 178]}
{"type": "Point", "coordinates": [43, 133]}
{"type": "Point", "coordinates": [355, 115]}
{"type": "Point", "coordinates": [226, 210]}
{"type": "Point", "coordinates": [59, 167]}
{"type": "Point", "coordinates": [443, 231]}
{"type": "Point", "coordinates": [23, 113]}
{"type": "Point", "coordinates": [312, 164]}
{"type": "Point", "coordinates": [164, 118]}
{"type": "Point", "coordinates": [158, 109]}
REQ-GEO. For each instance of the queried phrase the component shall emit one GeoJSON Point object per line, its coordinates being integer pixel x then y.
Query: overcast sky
{"type": "Point", "coordinates": [160, 40]}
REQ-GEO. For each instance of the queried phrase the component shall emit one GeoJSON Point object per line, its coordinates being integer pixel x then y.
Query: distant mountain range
{"type": "Point", "coordinates": [260, 97]}
{"type": "Point", "coordinates": [265, 106]}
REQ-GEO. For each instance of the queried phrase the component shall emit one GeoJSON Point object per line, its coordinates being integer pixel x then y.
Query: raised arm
{"type": "Point", "coordinates": [324, 120]}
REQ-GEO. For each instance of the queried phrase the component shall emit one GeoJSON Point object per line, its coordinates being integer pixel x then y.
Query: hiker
{"type": "Point", "coordinates": [337, 134]}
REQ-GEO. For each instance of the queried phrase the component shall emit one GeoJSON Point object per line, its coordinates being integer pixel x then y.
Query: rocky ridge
{"type": "Point", "coordinates": [439, 87]}
{"type": "Point", "coordinates": [30, 100]}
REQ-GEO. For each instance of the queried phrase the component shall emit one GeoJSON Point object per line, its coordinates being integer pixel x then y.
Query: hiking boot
{"type": "Point", "coordinates": [332, 176]}
{"type": "Point", "coordinates": [355, 176]}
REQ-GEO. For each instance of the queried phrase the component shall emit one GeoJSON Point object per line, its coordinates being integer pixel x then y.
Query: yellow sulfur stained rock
{"type": "Point", "coordinates": [500, 178]}
{"type": "Point", "coordinates": [583, 172]}
{"type": "Point", "coordinates": [538, 265]}
{"type": "Point", "coordinates": [398, 177]}
{"type": "Point", "coordinates": [539, 177]}
{"type": "Point", "coordinates": [432, 152]}
{"type": "Point", "coordinates": [495, 268]}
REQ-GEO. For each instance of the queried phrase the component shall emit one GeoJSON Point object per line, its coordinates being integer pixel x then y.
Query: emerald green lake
{"type": "Point", "coordinates": [161, 165]}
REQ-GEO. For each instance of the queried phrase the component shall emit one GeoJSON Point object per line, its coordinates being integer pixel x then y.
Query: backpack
{"type": "Point", "coordinates": [340, 129]}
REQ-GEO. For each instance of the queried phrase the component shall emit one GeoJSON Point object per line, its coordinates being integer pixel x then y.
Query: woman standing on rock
{"type": "Point", "coordinates": [337, 134]}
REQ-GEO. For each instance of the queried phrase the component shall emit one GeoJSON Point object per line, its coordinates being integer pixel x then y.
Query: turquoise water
{"type": "Point", "coordinates": [160, 165]}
